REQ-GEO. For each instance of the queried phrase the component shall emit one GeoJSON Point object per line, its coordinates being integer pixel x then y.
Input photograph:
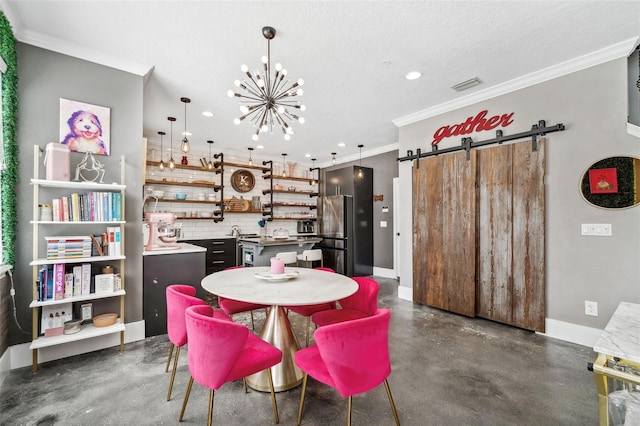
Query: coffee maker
{"type": "Point", "coordinates": [305, 227]}
{"type": "Point", "coordinates": [162, 232]}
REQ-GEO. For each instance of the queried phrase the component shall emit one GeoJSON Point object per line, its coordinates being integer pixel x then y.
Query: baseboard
{"type": "Point", "coordinates": [20, 355]}
{"type": "Point", "coordinates": [384, 273]}
{"type": "Point", "coordinates": [405, 293]}
{"type": "Point", "coordinates": [5, 365]}
{"type": "Point", "coordinates": [574, 333]}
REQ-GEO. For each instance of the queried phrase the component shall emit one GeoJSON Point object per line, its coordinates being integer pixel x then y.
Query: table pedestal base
{"type": "Point", "coordinates": [286, 375]}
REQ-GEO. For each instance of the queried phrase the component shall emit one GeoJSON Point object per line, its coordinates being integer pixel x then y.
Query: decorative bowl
{"type": "Point", "coordinates": [105, 320]}
{"type": "Point", "coordinates": [181, 196]}
{"type": "Point", "coordinates": [157, 194]}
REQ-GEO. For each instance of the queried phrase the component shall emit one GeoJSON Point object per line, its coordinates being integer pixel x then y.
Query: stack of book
{"type": "Point", "coordinates": [68, 247]}
{"type": "Point", "coordinates": [92, 206]}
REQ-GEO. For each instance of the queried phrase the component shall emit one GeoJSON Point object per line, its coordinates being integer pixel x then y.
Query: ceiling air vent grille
{"type": "Point", "coordinates": [466, 84]}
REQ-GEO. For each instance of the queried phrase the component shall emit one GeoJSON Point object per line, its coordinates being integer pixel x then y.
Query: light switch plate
{"type": "Point", "coordinates": [596, 229]}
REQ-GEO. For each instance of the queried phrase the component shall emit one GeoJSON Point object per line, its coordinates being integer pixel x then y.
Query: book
{"type": "Point", "coordinates": [58, 281]}
{"type": "Point", "coordinates": [117, 244]}
{"type": "Point", "coordinates": [77, 280]}
{"type": "Point", "coordinates": [65, 209]}
{"type": "Point", "coordinates": [56, 210]}
{"type": "Point", "coordinates": [68, 284]}
{"type": "Point", "coordinates": [112, 240]}
{"type": "Point", "coordinates": [86, 278]}
{"type": "Point", "coordinates": [49, 283]}
{"type": "Point", "coordinates": [97, 246]}
{"type": "Point", "coordinates": [54, 317]}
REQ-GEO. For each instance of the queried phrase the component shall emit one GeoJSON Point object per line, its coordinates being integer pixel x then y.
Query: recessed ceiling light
{"type": "Point", "coordinates": [259, 146]}
{"type": "Point", "coordinates": [341, 144]}
{"type": "Point", "coordinates": [186, 134]}
{"type": "Point", "coordinates": [466, 84]}
{"type": "Point", "coordinates": [413, 75]}
{"type": "Point", "coordinates": [207, 114]}
{"type": "Point", "coordinates": [307, 155]}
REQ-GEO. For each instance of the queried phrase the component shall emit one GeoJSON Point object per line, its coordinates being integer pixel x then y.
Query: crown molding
{"type": "Point", "coordinates": [355, 157]}
{"type": "Point", "coordinates": [81, 52]}
{"type": "Point", "coordinates": [618, 50]}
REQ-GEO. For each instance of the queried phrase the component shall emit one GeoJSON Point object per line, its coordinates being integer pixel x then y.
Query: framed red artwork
{"type": "Point", "coordinates": [603, 181]}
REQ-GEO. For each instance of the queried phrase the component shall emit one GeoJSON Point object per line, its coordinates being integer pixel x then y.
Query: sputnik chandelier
{"type": "Point", "coordinates": [268, 101]}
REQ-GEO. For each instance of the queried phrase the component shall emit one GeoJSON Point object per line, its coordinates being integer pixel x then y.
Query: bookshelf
{"type": "Point", "coordinates": [87, 222]}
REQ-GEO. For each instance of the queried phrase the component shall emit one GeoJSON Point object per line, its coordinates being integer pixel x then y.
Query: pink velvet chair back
{"type": "Point", "coordinates": [365, 299]}
{"type": "Point", "coordinates": [356, 353]}
{"type": "Point", "coordinates": [214, 346]}
{"type": "Point", "coordinates": [179, 298]}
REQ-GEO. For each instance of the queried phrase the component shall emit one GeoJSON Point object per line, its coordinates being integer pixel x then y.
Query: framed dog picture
{"type": "Point", "coordinates": [85, 127]}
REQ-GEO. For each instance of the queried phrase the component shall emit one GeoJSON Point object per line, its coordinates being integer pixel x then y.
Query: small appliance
{"type": "Point", "coordinates": [305, 227]}
{"type": "Point", "coordinates": [162, 232]}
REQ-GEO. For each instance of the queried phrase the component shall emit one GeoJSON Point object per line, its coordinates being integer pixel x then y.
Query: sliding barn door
{"type": "Point", "coordinates": [444, 222]}
{"type": "Point", "coordinates": [511, 252]}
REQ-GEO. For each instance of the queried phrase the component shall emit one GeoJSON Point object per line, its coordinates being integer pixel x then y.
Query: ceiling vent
{"type": "Point", "coordinates": [466, 84]}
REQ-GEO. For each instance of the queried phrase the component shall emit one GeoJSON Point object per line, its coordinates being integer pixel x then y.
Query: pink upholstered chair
{"type": "Point", "coordinates": [351, 356]}
{"type": "Point", "coordinates": [179, 298]}
{"type": "Point", "coordinates": [362, 303]}
{"type": "Point", "coordinates": [230, 306]}
{"type": "Point", "coordinates": [324, 268]}
{"type": "Point", "coordinates": [223, 351]}
{"type": "Point", "coordinates": [308, 310]}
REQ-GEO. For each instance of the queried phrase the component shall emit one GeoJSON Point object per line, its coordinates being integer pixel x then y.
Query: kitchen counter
{"type": "Point", "coordinates": [258, 251]}
{"type": "Point", "coordinates": [183, 248]}
{"type": "Point", "coordinates": [270, 241]}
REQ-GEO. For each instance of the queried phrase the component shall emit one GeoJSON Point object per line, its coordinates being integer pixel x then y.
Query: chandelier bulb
{"type": "Point", "coordinates": [161, 166]}
{"type": "Point", "coordinates": [254, 137]}
{"type": "Point", "coordinates": [287, 137]}
{"type": "Point", "coordinates": [172, 164]}
{"type": "Point", "coordinates": [278, 67]}
{"type": "Point", "coordinates": [236, 83]}
{"type": "Point", "coordinates": [300, 82]}
{"type": "Point", "coordinates": [244, 68]}
{"type": "Point", "coordinates": [301, 120]}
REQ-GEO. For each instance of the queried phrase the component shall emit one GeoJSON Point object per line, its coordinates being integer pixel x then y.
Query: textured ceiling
{"type": "Point", "coordinates": [353, 56]}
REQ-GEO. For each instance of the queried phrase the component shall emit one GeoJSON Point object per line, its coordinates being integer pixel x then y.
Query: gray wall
{"type": "Point", "coordinates": [592, 104]}
{"type": "Point", "coordinates": [44, 78]}
{"type": "Point", "coordinates": [385, 169]}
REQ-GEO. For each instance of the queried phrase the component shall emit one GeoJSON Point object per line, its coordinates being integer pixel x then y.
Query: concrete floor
{"type": "Point", "coordinates": [447, 370]}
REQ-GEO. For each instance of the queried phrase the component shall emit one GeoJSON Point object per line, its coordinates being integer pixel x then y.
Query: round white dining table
{"type": "Point", "coordinates": [255, 285]}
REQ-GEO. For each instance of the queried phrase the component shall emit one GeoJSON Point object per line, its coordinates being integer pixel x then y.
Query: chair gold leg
{"type": "Point", "coordinates": [210, 411]}
{"type": "Point", "coordinates": [304, 390]}
{"type": "Point", "coordinates": [349, 411]}
{"type": "Point", "coordinates": [186, 398]}
{"type": "Point", "coordinates": [273, 397]}
{"type": "Point", "coordinates": [393, 406]}
{"type": "Point", "coordinates": [166, 368]}
{"type": "Point", "coordinates": [173, 373]}
{"type": "Point", "coordinates": [244, 382]}
{"type": "Point", "coordinates": [253, 327]}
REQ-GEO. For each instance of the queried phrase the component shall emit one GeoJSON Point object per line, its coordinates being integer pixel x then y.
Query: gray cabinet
{"type": "Point", "coordinates": [161, 271]}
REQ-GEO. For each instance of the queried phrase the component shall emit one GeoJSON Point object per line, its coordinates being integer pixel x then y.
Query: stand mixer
{"type": "Point", "coordinates": [162, 233]}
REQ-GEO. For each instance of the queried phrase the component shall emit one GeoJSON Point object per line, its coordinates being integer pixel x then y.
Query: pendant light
{"type": "Point", "coordinates": [210, 164]}
{"type": "Point", "coordinates": [284, 166]}
{"type": "Point", "coordinates": [360, 173]}
{"type": "Point", "coordinates": [313, 172]}
{"type": "Point", "coordinates": [172, 164]}
{"type": "Point", "coordinates": [185, 142]}
{"type": "Point", "coordinates": [333, 158]}
{"type": "Point", "coordinates": [161, 165]}
{"type": "Point", "coordinates": [250, 159]}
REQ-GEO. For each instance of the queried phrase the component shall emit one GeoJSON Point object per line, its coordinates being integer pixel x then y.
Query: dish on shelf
{"type": "Point", "coordinates": [180, 215]}
{"type": "Point", "coordinates": [206, 215]}
{"type": "Point", "coordinates": [181, 196]}
{"type": "Point", "coordinates": [105, 320]}
{"type": "Point", "coordinates": [268, 276]}
{"type": "Point", "coordinates": [157, 194]}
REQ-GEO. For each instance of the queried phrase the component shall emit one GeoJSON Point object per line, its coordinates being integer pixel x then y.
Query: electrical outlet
{"type": "Point", "coordinates": [591, 308]}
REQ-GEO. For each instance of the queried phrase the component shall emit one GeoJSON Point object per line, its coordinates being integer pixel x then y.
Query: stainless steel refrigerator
{"type": "Point", "coordinates": [336, 231]}
{"type": "Point", "coordinates": [346, 227]}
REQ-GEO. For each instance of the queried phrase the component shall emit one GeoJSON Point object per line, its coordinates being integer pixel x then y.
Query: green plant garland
{"type": "Point", "coordinates": [9, 125]}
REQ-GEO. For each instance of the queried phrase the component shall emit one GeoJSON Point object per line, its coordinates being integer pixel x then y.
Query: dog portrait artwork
{"type": "Point", "coordinates": [84, 127]}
